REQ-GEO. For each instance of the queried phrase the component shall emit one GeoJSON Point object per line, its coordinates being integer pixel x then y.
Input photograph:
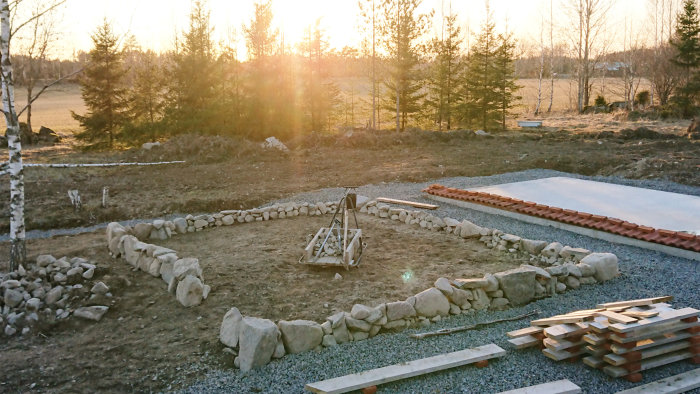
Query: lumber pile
{"type": "Point", "coordinates": [620, 338]}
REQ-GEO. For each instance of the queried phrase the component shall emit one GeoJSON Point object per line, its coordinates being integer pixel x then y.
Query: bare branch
{"type": "Point", "coordinates": [36, 96]}
{"type": "Point", "coordinates": [37, 16]}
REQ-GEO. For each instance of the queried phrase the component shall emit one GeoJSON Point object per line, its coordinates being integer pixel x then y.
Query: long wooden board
{"type": "Point", "coordinates": [524, 342]}
{"type": "Point", "coordinates": [561, 355]}
{"type": "Point", "coordinates": [654, 331]}
{"type": "Point", "coordinates": [617, 372]}
{"type": "Point", "coordinates": [560, 319]}
{"type": "Point", "coordinates": [680, 383]}
{"type": "Point", "coordinates": [561, 331]}
{"type": "Point", "coordinates": [409, 203]}
{"type": "Point", "coordinates": [651, 342]}
{"type": "Point", "coordinates": [617, 360]}
{"type": "Point", "coordinates": [524, 332]}
{"type": "Point", "coordinates": [560, 344]}
{"type": "Point", "coordinates": [564, 386]}
{"type": "Point", "coordinates": [615, 317]}
{"type": "Point", "coordinates": [391, 373]}
{"type": "Point", "coordinates": [639, 302]}
{"type": "Point", "coordinates": [665, 317]}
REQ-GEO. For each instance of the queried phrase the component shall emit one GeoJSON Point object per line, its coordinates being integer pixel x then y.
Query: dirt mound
{"type": "Point", "coordinates": [379, 139]}
{"type": "Point", "coordinates": [641, 133]}
{"type": "Point", "coordinates": [200, 148]}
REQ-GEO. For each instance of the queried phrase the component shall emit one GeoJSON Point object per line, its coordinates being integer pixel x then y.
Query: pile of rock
{"type": "Point", "coordinates": [182, 275]}
{"type": "Point", "coordinates": [255, 341]}
{"type": "Point", "coordinates": [48, 290]}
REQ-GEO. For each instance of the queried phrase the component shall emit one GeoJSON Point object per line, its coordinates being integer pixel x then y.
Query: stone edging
{"type": "Point", "coordinates": [259, 340]}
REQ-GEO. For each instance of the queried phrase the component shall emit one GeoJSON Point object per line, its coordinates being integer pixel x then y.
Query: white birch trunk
{"type": "Point", "coordinates": [18, 250]}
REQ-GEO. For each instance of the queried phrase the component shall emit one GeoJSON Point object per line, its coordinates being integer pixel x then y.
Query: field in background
{"type": "Point", "coordinates": [53, 108]}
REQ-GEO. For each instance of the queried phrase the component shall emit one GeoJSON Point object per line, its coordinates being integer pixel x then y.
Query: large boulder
{"type": "Point", "coordinates": [143, 230]}
{"type": "Point", "coordinates": [552, 250]}
{"type": "Point", "coordinates": [518, 285]}
{"type": "Point", "coordinates": [257, 342]}
{"type": "Point", "coordinates": [187, 266]}
{"type": "Point", "coordinates": [190, 291]}
{"type": "Point", "coordinates": [605, 265]}
{"type": "Point", "coordinates": [231, 327]}
{"type": "Point", "coordinates": [481, 299]}
{"type": "Point", "coordinates": [300, 335]}
{"type": "Point", "coordinates": [533, 246]}
{"type": "Point", "coordinates": [432, 302]}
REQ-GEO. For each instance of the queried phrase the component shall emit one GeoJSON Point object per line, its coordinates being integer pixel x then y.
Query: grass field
{"type": "Point", "coordinates": [53, 108]}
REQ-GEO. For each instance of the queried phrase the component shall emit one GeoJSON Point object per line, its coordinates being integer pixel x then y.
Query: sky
{"type": "Point", "coordinates": [155, 23]}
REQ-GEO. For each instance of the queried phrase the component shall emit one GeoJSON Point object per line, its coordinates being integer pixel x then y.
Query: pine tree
{"type": "Point", "coordinates": [146, 99]}
{"type": "Point", "coordinates": [687, 57]}
{"type": "Point", "coordinates": [444, 81]}
{"type": "Point", "coordinates": [193, 78]}
{"type": "Point", "coordinates": [102, 91]}
{"type": "Point", "coordinates": [505, 72]}
{"type": "Point", "coordinates": [401, 30]}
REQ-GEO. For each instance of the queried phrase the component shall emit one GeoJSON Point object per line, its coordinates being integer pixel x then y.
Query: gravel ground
{"type": "Point", "coordinates": [644, 274]}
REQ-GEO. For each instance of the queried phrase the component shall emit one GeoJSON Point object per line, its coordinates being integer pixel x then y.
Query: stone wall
{"type": "Point", "coordinates": [554, 268]}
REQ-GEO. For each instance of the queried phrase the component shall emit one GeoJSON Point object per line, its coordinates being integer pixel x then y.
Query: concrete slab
{"type": "Point", "coordinates": [658, 209]}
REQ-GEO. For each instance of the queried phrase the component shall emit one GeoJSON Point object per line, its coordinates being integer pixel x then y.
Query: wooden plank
{"type": "Point", "coordinates": [524, 332]}
{"type": "Point", "coordinates": [559, 319]}
{"type": "Point", "coordinates": [564, 386]}
{"type": "Point", "coordinates": [409, 203]}
{"type": "Point", "coordinates": [615, 317]}
{"type": "Point", "coordinates": [561, 355]}
{"type": "Point", "coordinates": [560, 344]}
{"type": "Point", "coordinates": [664, 317]}
{"type": "Point", "coordinates": [594, 339]}
{"type": "Point", "coordinates": [524, 342]}
{"type": "Point", "coordinates": [617, 360]}
{"type": "Point", "coordinates": [640, 314]}
{"type": "Point", "coordinates": [597, 351]}
{"type": "Point", "coordinates": [395, 372]}
{"type": "Point", "coordinates": [617, 372]}
{"type": "Point", "coordinates": [642, 301]}
{"type": "Point", "coordinates": [655, 331]}
{"type": "Point", "coordinates": [594, 362]}
{"type": "Point", "coordinates": [562, 331]}
{"type": "Point", "coordinates": [646, 344]}
{"type": "Point", "coordinates": [680, 383]}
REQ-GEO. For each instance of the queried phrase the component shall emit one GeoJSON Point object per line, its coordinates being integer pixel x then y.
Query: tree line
{"type": "Point", "coordinates": [201, 86]}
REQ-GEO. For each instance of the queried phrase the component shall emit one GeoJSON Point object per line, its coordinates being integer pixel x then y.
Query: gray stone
{"type": "Point", "coordinates": [341, 333]}
{"type": "Point", "coordinates": [326, 327]}
{"type": "Point", "coordinates": [540, 272]}
{"type": "Point", "coordinates": [357, 325]}
{"type": "Point", "coordinates": [257, 342]}
{"type": "Point", "coordinates": [44, 260]}
{"type": "Point", "coordinates": [499, 303]}
{"type": "Point", "coordinates": [470, 230]}
{"type": "Point", "coordinates": [561, 287]}
{"type": "Point", "coordinates": [572, 282]}
{"type": "Point", "coordinates": [180, 225]}
{"type": "Point", "coordinates": [360, 335]}
{"type": "Point", "coordinates": [200, 223]}
{"type": "Point", "coordinates": [492, 283]}
{"type": "Point", "coordinates": [376, 314]}
{"type": "Point", "coordinates": [33, 305]}
{"type": "Point", "coordinates": [227, 220]}
{"type": "Point", "coordinates": [471, 283]}
{"type": "Point", "coordinates": [206, 289]}
{"type": "Point", "coordinates": [481, 300]}
{"type": "Point", "coordinates": [93, 313]}
{"type": "Point", "coordinates": [10, 331]}
{"type": "Point", "coordinates": [13, 297]}
{"type": "Point", "coordinates": [395, 325]}
{"type": "Point", "coordinates": [587, 280]}
{"type": "Point", "coordinates": [185, 267]}
{"type": "Point", "coordinates": [432, 302]}
{"type": "Point", "coordinates": [399, 310]}
{"type": "Point", "coordinates": [495, 294]}
{"type": "Point", "coordinates": [510, 238]}
{"type": "Point", "coordinates": [518, 285]}
{"type": "Point", "coordinates": [328, 341]}
{"type": "Point", "coordinates": [230, 327]}
{"type": "Point", "coordinates": [557, 270]}
{"type": "Point", "coordinates": [279, 349]}
{"type": "Point", "coordinates": [336, 319]}
{"type": "Point", "coordinates": [575, 253]}
{"type": "Point", "coordinates": [158, 224]}
{"type": "Point", "coordinates": [460, 297]}
{"type": "Point", "coordinates": [89, 273]}
{"type": "Point", "coordinates": [573, 270]}
{"type": "Point", "coordinates": [99, 288]}
{"type": "Point", "coordinates": [142, 231]}
{"type": "Point", "coordinates": [189, 291]}
{"type": "Point", "coordinates": [360, 311]}
{"type": "Point", "coordinates": [300, 335]}
{"type": "Point", "coordinates": [53, 295]}
{"type": "Point", "coordinates": [444, 285]}
{"type": "Point", "coordinates": [586, 270]}
{"type": "Point", "coordinates": [605, 265]}
{"type": "Point", "coordinates": [552, 250]}
{"type": "Point", "coordinates": [533, 246]}
{"type": "Point", "coordinates": [454, 309]}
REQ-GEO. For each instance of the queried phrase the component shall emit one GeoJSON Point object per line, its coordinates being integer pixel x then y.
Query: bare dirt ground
{"type": "Point", "coordinates": [147, 340]}
{"type": "Point", "coordinates": [223, 173]}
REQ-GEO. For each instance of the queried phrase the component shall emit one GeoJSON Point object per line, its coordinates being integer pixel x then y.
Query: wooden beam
{"type": "Point", "coordinates": [618, 372]}
{"type": "Point", "coordinates": [680, 383]}
{"type": "Point", "coordinates": [662, 318]}
{"type": "Point", "coordinates": [560, 319]}
{"type": "Point", "coordinates": [614, 317]}
{"type": "Point", "coordinates": [643, 301]}
{"type": "Point", "coordinates": [564, 386]}
{"type": "Point", "coordinates": [524, 342]}
{"type": "Point", "coordinates": [409, 203]}
{"type": "Point", "coordinates": [524, 331]}
{"type": "Point", "coordinates": [395, 372]}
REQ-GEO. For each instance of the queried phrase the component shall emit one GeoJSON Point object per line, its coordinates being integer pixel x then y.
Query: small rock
{"type": "Point", "coordinates": [13, 297]}
{"type": "Point", "coordinates": [328, 341]}
{"type": "Point", "coordinates": [94, 313]}
{"type": "Point", "coordinates": [337, 277]}
{"type": "Point", "coordinates": [360, 312]}
{"type": "Point", "coordinates": [99, 288]}
{"type": "Point", "coordinates": [189, 291]}
{"type": "Point", "coordinates": [230, 327]}
{"type": "Point", "coordinates": [89, 273]}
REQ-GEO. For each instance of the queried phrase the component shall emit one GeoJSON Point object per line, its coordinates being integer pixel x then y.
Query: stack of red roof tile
{"type": "Point", "coordinates": [603, 223]}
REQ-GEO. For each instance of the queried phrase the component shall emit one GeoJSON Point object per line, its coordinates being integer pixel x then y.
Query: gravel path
{"type": "Point", "coordinates": [644, 274]}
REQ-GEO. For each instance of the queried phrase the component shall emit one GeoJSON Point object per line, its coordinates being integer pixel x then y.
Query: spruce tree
{"type": "Point", "coordinates": [443, 84]}
{"type": "Point", "coordinates": [505, 72]}
{"type": "Point", "coordinates": [102, 91]}
{"type": "Point", "coordinates": [146, 99]}
{"type": "Point", "coordinates": [193, 78]}
{"type": "Point", "coordinates": [401, 30]}
{"type": "Point", "coordinates": [687, 56]}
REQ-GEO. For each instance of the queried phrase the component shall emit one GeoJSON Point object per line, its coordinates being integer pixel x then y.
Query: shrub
{"type": "Point", "coordinates": [600, 101]}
